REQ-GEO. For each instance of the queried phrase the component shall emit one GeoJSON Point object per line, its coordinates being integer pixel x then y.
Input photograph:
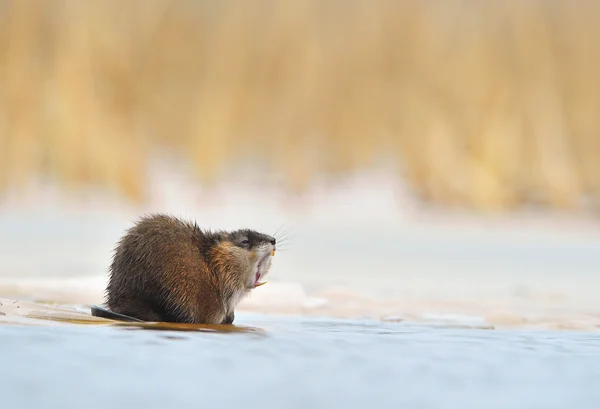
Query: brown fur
{"type": "Point", "coordinates": [165, 269]}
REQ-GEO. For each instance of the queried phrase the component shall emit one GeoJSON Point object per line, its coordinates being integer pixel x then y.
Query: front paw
{"type": "Point", "coordinates": [229, 319]}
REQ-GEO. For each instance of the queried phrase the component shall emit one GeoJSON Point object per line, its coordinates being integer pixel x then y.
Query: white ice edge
{"type": "Point", "coordinates": [90, 290]}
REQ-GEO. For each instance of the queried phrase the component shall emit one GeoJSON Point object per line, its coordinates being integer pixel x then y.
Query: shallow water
{"type": "Point", "coordinates": [296, 362]}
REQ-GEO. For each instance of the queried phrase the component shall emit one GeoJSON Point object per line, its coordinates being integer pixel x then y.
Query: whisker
{"type": "Point", "coordinates": [277, 231]}
{"type": "Point", "coordinates": [282, 247]}
{"type": "Point", "coordinates": [280, 237]}
{"type": "Point", "coordinates": [284, 236]}
{"type": "Point", "coordinates": [282, 233]}
{"type": "Point", "coordinates": [284, 239]}
{"type": "Point", "coordinates": [285, 232]}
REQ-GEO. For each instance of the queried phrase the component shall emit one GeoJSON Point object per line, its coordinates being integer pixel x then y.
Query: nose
{"type": "Point", "coordinates": [273, 241]}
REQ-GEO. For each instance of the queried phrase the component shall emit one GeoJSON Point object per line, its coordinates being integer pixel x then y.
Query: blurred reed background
{"type": "Point", "coordinates": [488, 105]}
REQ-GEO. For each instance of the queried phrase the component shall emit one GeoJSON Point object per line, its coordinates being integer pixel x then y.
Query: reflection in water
{"type": "Point", "coordinates": [168, 326]}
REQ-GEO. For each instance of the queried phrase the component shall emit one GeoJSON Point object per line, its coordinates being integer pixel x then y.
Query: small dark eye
{"type": "Point", "coordinates": [244, 242]}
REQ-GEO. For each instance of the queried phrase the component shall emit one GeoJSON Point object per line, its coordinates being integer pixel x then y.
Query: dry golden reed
{"type": "Point", "coordinates": [484, 104]}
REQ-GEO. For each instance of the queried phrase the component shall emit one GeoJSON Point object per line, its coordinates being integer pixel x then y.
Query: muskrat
{"type": "Point", "coordinates": [166, 269]}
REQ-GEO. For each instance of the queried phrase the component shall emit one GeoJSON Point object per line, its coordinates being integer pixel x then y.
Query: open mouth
{"type": "Point", "coordinates": [259, 271]}
{"type": "Point", "coordinates": [257, 282]}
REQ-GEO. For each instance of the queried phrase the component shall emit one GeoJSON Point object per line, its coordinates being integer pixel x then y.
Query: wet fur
{"type": "Point", "coordinates": [166, 269]}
